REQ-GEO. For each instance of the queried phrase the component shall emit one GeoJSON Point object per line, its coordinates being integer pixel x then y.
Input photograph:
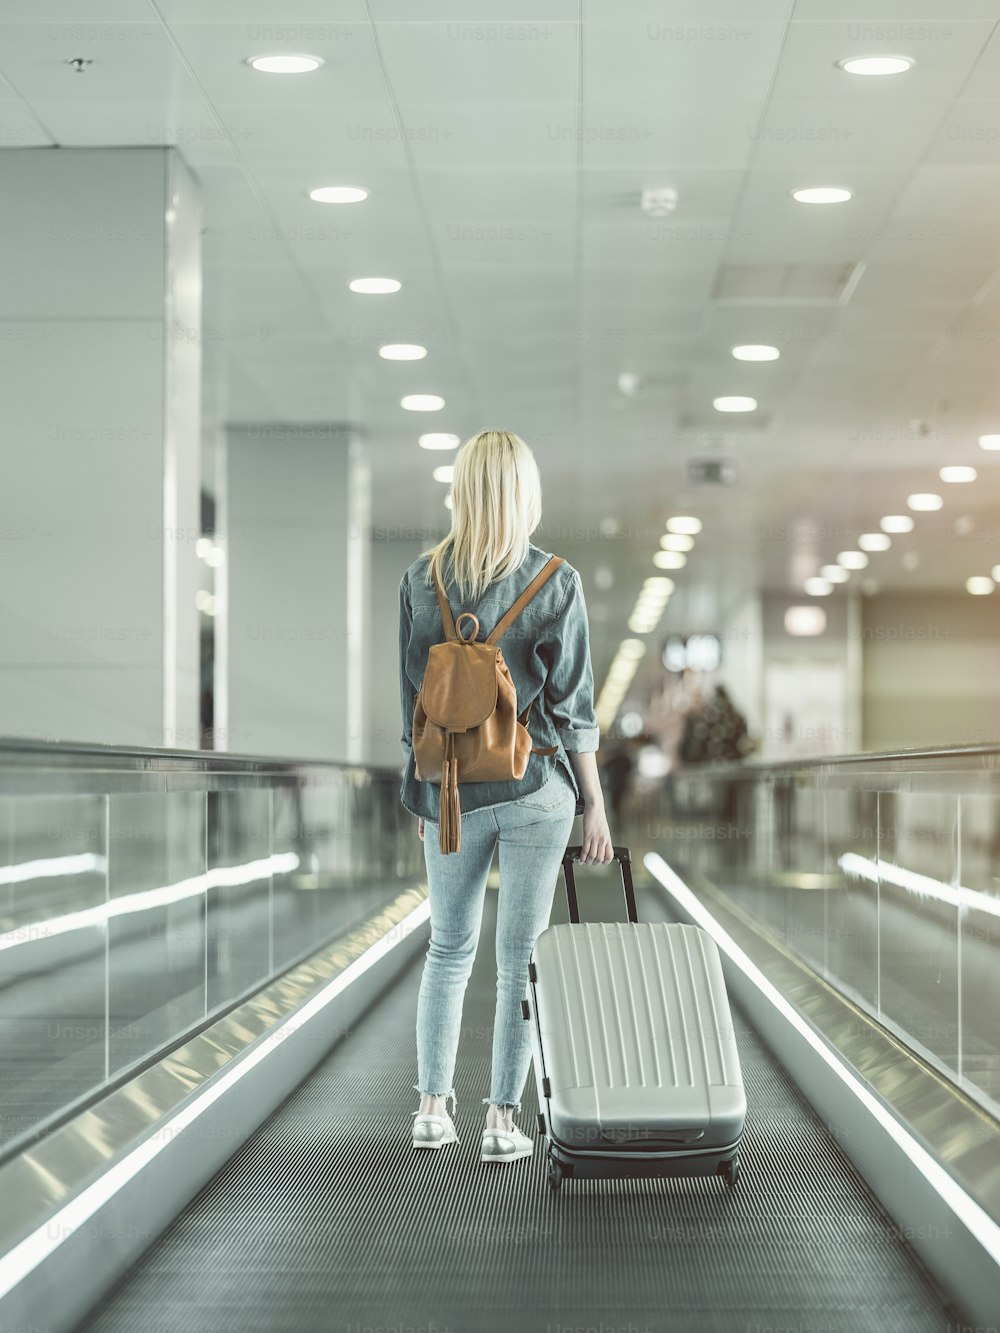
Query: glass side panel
{"type": "Point", "coordinates": [53, 885]}
{"type": "Point", "coordinates": [238, 907]}
{"type": "Point", "coordinates": [156, 934]}
{"type": "Point", "coordinates": [883, 875]}
{"type": "Point", "coordinates": [979, 943]}
{"type": "Point", "coordinates": [139, 898]}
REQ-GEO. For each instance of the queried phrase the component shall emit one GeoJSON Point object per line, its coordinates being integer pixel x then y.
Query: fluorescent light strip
{"type": "Point", "coordinates": [18, 1262]}
{"type": "Point", "coordinates": [219, 877]}
{"type": "Point", "coordinates": [954, 895]}
{"type": "Point", "coordinates": [52, 866]}
{"type": "Point", "coordinates": [979, 1223]}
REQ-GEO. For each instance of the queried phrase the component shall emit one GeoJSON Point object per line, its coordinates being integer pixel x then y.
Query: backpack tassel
{"type": "Point", "coordinates": [449, 821]}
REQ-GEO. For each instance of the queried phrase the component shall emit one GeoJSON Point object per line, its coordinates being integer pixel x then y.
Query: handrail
{"type": "Point", "coordinates": [26, 747]}
{"type": "Point", "coordinates": [985, 750]}
{"type": "Point", "coordinates": [23, 749]}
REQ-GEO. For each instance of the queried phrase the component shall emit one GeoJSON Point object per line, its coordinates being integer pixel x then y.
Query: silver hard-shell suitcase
{"type": "Point", "coordinates": [634, 1051]}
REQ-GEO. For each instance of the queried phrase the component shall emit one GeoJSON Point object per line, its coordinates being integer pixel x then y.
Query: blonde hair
{"type": "Point", "coordinates": [496, 504]}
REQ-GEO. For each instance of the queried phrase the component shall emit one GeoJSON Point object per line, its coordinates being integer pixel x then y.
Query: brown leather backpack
{"type": "Point", "coordinates": [465, 723]}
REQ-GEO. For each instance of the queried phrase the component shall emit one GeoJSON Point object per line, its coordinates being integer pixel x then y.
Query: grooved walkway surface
{"type": "Point", "coordinates": [327, 1219]}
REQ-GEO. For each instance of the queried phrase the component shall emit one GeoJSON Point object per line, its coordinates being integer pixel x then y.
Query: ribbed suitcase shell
{"type": "Point", "coordinates": [633, 1033]}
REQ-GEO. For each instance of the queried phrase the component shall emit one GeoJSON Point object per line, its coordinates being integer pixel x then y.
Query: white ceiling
{"type": "Point", "coordinates": [505, 147]}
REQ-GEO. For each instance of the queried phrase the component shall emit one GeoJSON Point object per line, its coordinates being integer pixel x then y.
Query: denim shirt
{"type": "Point", "coordinates": [547, 651]}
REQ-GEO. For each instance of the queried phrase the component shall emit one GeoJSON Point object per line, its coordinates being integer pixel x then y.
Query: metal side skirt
{"type": "Point", "coordinates": [82, 1204]}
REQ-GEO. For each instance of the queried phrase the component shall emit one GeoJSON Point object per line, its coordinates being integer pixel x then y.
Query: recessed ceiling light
{"type": "Point", "coordinates": [439, 441]}
{"type": "Point", "coordinates": [659, 582]}
{"type": "Point", "coordinates": [756, 352]}
{"type": "Point", "coordinates": [896, 523]}
{"type": "Point", "coordinates": [284, 64]}
{"type": "Point", "coordinates": [822, 194]}
{"type": "Point", "coordinates": [669, 559]}
{"type": "Point", "coordinates": [659, 203]}
{"type": "Point", "coordinates": [676, 541]}
{"type": "Point", "coordinates": [924, 500]}
{"type": "Point", "coordinates": [995, 572]}
{"type": "Point", "coordinates": [989, 441]}
{"type": "Point", "coordinates": [422, 402]}
{"type": "Point", "coordinates": [818, 587]}
{"type": "Point", "coordinates": [444, 473]}
{"type": "Point", "coordinates": [628, 383]}
{"type": "Point", "coordinates": [734, 403]}
{"type": "Point", "coordinates": [979, 585]}
{"type": "Point", "coordinates": [834, 573]}
{"type": "Point", "coordinates": [402, 352]}
{"type": "Point", "coordinates": [852, 559]}
{"type": "Point", "coordinates": [874, 541]}
{"type": "Point", "coordinates": [447, 500]}
{"type": "Point", "coordinates": [375, 286]}
{"type": "Point", "coordinates": [805, 620]}
{"type": "Point", "coordinates": [338, 194]}
{"type": "Point", "coordinates": [684, 523]}
{"type": "Point", "coordinates": [958, 473]}
{"type": "Point", "coordinates": [875, 65]}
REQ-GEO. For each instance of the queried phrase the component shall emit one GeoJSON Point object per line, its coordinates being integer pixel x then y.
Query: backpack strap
{"type": "Point", "coordinates": [547, 749]}
{"type": "Point", "coordinates": [543, 574]}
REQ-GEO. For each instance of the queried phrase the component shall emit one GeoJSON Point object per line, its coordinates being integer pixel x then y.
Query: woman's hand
{"type": "Point", "coordinates": [596, 844]}
{"type": "Point", "coordinates": [420, 829]}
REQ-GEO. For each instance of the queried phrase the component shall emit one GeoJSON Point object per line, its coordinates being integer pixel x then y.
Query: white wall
{"type": "Point", "coordinates": [813, 681]}
{"type": "Point", "coordinates": [741, 664]}
{"type": "Point", "coordinates": [931, 670]}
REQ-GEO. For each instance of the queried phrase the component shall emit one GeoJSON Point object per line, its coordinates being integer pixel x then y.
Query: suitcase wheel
{"type": "Point", "coordinates": [556, 1173]}
{"type": "Point", "coordinates": [730, 1171]}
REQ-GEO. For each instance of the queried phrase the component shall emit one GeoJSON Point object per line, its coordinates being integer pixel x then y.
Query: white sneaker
{"type": "Point", "coordinates": [505, 1145]}
{"type": "Point", "coordinates": [433, 1131]}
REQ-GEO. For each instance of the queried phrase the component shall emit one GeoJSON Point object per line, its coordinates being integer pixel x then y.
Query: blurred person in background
{"type": "Point", "coordinates": [617, 769]}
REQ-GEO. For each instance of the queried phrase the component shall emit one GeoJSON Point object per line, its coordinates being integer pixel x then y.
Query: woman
{"type": "Point", "coordinates": [485, 562]}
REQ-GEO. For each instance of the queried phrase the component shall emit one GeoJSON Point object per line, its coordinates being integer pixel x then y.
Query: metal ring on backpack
{"type": "Point", "coordinates": [459, 621]}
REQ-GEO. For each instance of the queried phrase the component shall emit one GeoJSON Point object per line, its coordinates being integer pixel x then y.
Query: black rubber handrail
{"type": "Point", "coordinates": [988, 750]}
{"type": "Point", "coordinates": [22, 750]}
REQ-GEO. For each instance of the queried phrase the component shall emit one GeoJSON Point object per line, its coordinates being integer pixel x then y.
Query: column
{"type": "Point", "coordinates": [297, 531]}
{"type": "Point", "coordinates": [100, 266]}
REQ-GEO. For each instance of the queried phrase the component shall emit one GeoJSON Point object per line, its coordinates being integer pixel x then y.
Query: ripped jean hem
{"type": "Point", "coordinates": [503, 1106]}
{"type": "Point", "coordinates": [448, 1096]}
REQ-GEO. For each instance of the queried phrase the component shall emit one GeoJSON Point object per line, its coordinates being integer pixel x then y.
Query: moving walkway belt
{"type": "Point", "coordinates": [327, 1219]}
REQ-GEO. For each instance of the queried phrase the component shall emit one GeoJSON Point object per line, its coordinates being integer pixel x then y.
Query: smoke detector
{"type": "Point", "coordinates": [659, 203]}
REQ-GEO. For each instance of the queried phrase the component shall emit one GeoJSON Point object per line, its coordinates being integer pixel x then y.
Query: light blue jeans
{"type": "Point", "coordinates": [532, 833]}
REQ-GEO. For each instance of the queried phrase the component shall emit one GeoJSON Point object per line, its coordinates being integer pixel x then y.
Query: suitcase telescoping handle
{"type": "Point", "coordinates": [624, 859]}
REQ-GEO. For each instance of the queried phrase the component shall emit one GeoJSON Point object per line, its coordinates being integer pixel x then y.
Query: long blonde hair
{"type": "Point", "coordinates": [496, 504]}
